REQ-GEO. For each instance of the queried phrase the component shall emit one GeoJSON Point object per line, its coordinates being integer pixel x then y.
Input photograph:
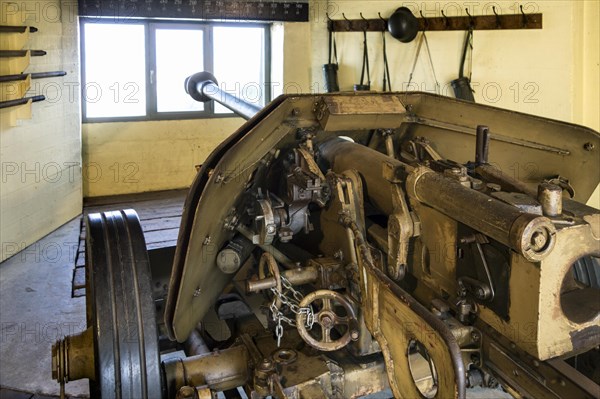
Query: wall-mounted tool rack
{"type": "Point", "coordinates": [14, 60]}
{"type": "Point", "coordinates": [444, 23]}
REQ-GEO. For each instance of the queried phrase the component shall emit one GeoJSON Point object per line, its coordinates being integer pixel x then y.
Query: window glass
{"type": "Point", "coordinates": [179, 54]}
{"type": "Point", "coordinates": [137, 70]}
{"type": "Point", "coordinates": [115, 70]}
{"type": "Point", "coordinates": [239, 63]}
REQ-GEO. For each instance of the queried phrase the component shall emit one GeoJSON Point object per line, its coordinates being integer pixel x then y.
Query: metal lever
{"type": "Point", "coordinates": [482, 145]}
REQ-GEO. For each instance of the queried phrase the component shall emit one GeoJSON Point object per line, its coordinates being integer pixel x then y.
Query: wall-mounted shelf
{"type": "Point", "coordinates": [14, 60]}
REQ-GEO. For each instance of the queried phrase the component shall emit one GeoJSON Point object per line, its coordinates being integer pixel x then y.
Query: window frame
{"type": "Point", "coordinates": [150, 26]}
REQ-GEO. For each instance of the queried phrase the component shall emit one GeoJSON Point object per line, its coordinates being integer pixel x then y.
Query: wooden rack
{"type": "Point", "coordinates": [443, 23]}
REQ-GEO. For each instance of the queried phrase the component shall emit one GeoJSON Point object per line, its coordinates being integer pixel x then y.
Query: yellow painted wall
{"type": "Point", "coordinates": [131, 157]}
{"type": "Point", "coordinates": [551, 72]}
{"type": "Point", "coordinates": [586, 88]}
{"type": "Point", "coordinates": [40, 158]}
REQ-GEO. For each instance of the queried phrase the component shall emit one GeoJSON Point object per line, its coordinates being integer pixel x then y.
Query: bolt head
{"type": "Point", "coordinates": [326, 321]}
{"type": "Point", "coordinates": [538, 240]}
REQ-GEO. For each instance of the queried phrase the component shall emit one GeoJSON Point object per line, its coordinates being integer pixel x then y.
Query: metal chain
{"type": "Point", "coordinates": [288, 286]}
{"type": "Point", "coordinates": [293, 304]}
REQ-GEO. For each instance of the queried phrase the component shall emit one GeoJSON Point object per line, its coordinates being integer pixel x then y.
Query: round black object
{"type": "Point", "coordinates": [120, 308]}
{"type": "Point", "coordinates": [191, 85]}
{"type": "Point", "coordinates": [403, 25]}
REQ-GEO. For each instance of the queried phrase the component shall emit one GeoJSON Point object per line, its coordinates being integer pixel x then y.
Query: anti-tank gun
{"type": "Point", "coordinates": [401, 240]}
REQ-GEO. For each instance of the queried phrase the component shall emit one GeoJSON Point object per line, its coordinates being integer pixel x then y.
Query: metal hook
{"type": "Point", "coordinates": [366, 26]}
{"type": "Point", "coordinates": [384, 21]}
{"type": "Point", "coordinates": [446, 21]}
{"type": "Point", "coordinates": [471, 19]}
{"type": "Point", "coordinates": [425, 21]}
{"type": "Point", "coordinates": [525, 21]}
{"type": "Point", "coordinates": [348, 23]}
{"type": "Point", "coordinates": [498, 21]}
{"type": "Point", "coordinates": [329, 22]}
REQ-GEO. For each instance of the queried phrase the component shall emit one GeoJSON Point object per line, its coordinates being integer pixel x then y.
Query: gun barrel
{"type": "Point", "coordinates": [203, 86]}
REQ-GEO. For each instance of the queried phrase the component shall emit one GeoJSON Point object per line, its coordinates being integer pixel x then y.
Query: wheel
{"type": "Point", "coordinates": [335, 312]}
{"type": "Point", "coordinates": [120, 308]}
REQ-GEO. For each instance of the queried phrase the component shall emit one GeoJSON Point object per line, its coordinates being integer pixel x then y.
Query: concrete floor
{"type": "Point", "coordinates": [36, 309]}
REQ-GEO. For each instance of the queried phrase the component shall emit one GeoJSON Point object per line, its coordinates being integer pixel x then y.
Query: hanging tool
{"type": "Point", "coordinates": [21, 101]}
{"type": "Point", "coordinates": [365, 66]}
{"type": "Point", "coordinates": [462, 85]}
{"type": "Point", "coordinates": [387, 81]}
{"type": "Point", "coordinates": [23, 76]}
{"type": "Point", "coordinates": [330, 69]}
{"type": "Point", "coordinates": [437, 84]}
{"type": "Point", "coordinates": [423, 39]}
{"type": "Point", "coordinates": [21, 53]}
{"type": "Point", "coordinates": [414, 65]}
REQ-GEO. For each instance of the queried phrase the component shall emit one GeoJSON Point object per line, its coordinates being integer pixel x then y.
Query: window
{"type": "Point", "coordinates": [136, 70]}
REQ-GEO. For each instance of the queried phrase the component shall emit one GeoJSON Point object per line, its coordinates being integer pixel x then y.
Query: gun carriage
{"type": "Point", "coordinates": [354, 243]}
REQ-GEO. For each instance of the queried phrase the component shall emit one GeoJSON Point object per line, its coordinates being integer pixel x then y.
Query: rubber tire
{"type": "Point", "coordinates": [120, 308]}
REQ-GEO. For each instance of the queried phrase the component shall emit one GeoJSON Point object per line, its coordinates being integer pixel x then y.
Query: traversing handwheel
{"type": "Point", "coordinates": [335, 311]}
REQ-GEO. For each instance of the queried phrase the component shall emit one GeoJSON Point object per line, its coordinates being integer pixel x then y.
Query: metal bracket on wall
{"type": "Point", "coordinates": [474, 22]}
